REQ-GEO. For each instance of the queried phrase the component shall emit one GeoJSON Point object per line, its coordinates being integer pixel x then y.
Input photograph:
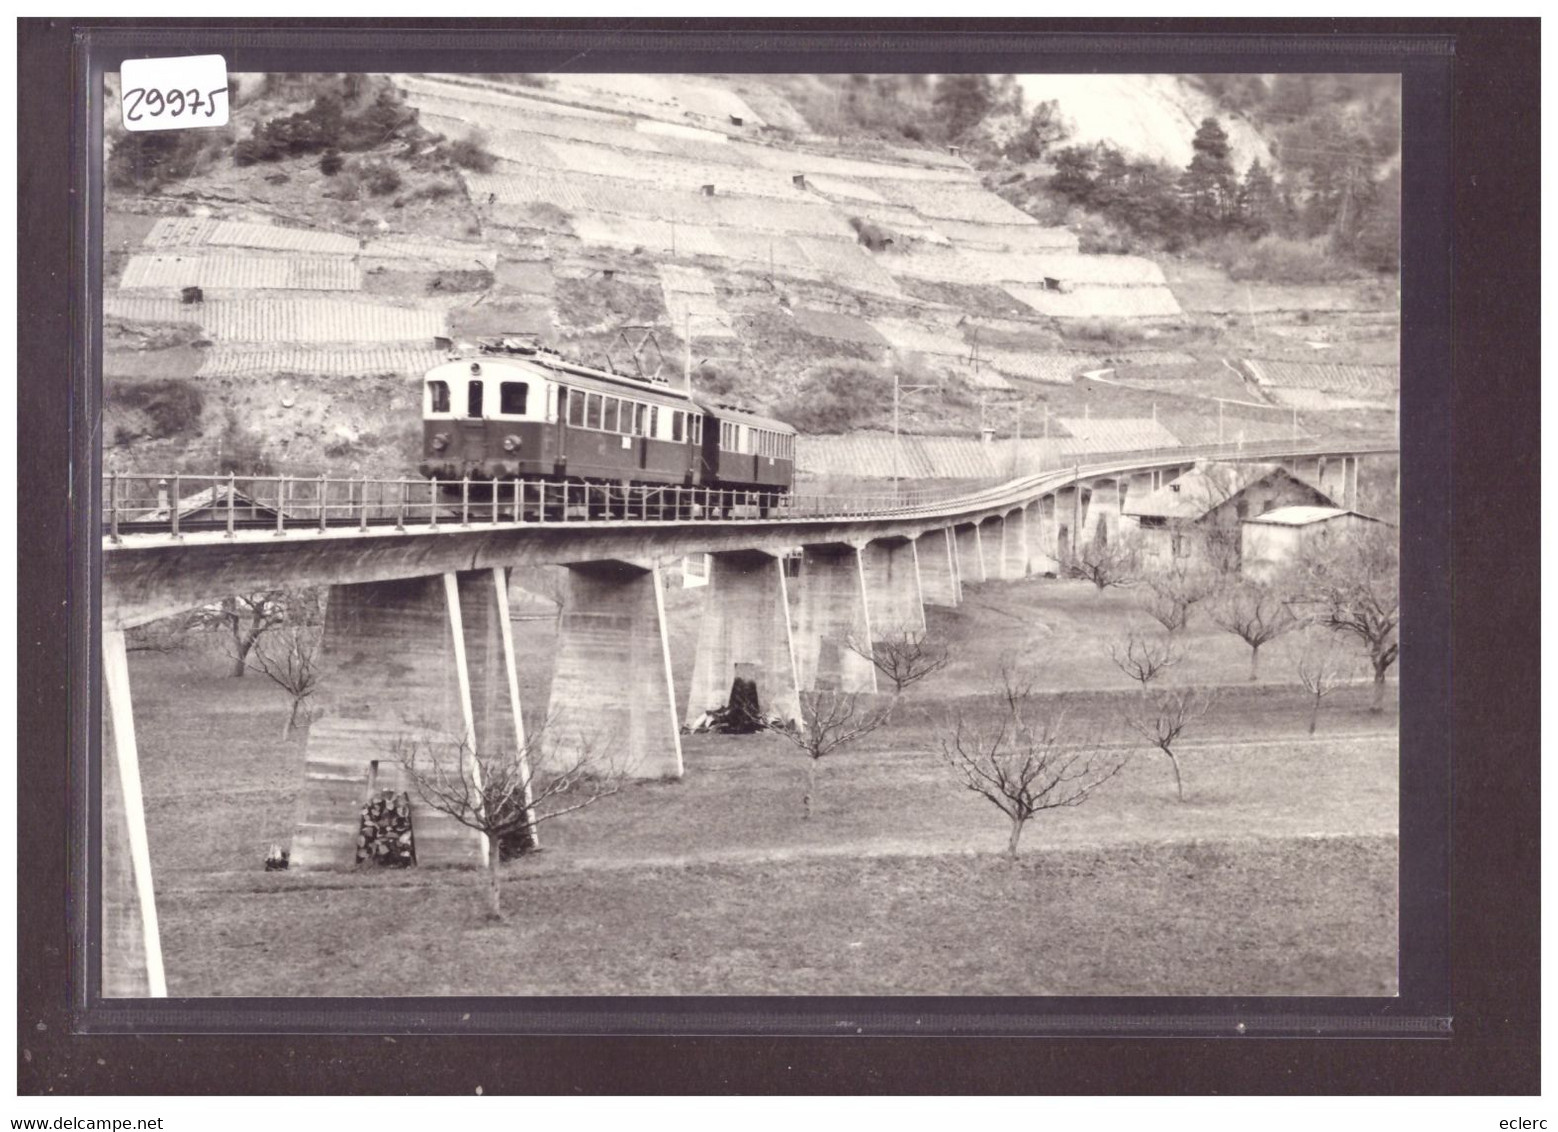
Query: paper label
{"type": "Point", "coordinates": [182, 93]}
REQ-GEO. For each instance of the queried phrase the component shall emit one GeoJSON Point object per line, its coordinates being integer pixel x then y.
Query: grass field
{"type": "Point", "coordinates": [1259, 917]}
{"type": "Point", "coordinates": [1275, 875]}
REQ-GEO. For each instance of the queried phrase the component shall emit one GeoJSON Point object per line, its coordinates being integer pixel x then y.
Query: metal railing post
{"type": "Point", "coordinates": [324, 511]}
{"type": "Point", "coordinates": [232, 503]}
{"type": "Point", "coordinates": [432, 502]}
{"type": "Point", "coordinates": [281, 500]}
{"type": "Point", "coordinates": [400, 506]}
{"type": "Point", "coordinates": [364, 524]}
{"type": "Point", "coordinates": [113, 506]}
{"type": "Point", "coordinates": [495, 494]}
{"type": "Point", "coordinates": [173, 503]}
{"type": "Point", "coordinates": [465, 501]}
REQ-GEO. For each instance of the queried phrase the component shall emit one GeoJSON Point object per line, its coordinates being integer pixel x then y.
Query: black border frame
{"type": "Point", "coordinates": [1501, 715]}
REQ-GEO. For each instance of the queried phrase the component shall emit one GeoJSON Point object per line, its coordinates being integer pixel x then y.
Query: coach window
{"type": "Point", "coordinates": [438, 396]}
{"type": "Point", "coordinates": [676, 424]}
{"type": "Point", "coordinates": [576, 406]}
{"type": "Point", "coordinates": [654, 421]}
{"type": "Point", "coordinates": [592, 411]}
{"type": "Point", "coordinates": [640, 418]}
{"type": "Point", "coordinates": [512, 398]}
{"type": "Point", "coordinates": [473, 399]}
{"type": "Point", "coordinates": [609, 416]}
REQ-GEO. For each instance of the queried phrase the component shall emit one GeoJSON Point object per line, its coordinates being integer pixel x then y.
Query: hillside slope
{"type": "Point", "coordinates": [780, 265]}
{"type": "Point", "coordinates": [1152, 116]}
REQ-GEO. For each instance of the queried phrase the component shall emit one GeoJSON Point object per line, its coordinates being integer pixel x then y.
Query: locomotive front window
{"type": "Point", "coordinates": [592, 410]}
{"type": "Point", "coordinates": [473, 399]}
{"type": "Point", "coordinates": [438, 396]}
{"type": "Point", "coordinates": [512, 397]}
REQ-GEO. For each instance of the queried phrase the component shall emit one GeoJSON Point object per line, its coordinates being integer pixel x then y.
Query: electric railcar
{"type": "Point", "coordinates": [509, 410]}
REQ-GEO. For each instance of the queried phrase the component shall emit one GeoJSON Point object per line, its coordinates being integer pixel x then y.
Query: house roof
{"type": "Point", "coordinates": [212, 497]}
{"type": "Point", "coordinates": [1300, 516]}
{"type": "Point", "coordinates": [1204, 489]}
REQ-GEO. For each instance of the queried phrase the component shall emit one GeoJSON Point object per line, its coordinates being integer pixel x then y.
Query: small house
{"type": "Point", "coordinates": [1198, 515]}
{"type": "Point", "coordinates": [206, 504]}
{"type": "Point", "coordinates": [1271, 541]}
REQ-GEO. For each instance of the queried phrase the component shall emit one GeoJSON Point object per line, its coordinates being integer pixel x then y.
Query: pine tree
{"type": "Point", "coordinates": [962, 101]}
{"type": "Point", "coordinates": [1075, 169]}
{"type": "Point", "coordinates": [1210, 181]}
{"type": "Point", "coordinates": [1378, 242]}
{"type": "Point", "coordinates": [1257, 199]}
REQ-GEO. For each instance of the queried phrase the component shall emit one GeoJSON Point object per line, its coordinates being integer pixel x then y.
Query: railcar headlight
{"type": "Point", "coordinates": [510, 443]}
{"type": "Point", "coordinates": [440, 441]}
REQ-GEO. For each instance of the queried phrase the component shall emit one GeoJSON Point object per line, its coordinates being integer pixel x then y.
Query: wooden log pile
{"type": "Point", "coordinates": [384, 836]}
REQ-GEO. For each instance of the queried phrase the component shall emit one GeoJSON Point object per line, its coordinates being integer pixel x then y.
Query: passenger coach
{"type": "Point", "coordinates": [507, 410]}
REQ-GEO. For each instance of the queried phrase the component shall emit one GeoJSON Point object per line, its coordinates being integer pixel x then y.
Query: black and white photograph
{"type": "Point", "coordinates": [803, 534]}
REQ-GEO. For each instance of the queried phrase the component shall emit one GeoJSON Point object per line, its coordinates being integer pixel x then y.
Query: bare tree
{"type": "Point", "coordinates": [829, 722]}
{"type": "Point", "coordinates": [247, 617]}
{"type": "Point", "coordinates": [905, 657]}
{"type": "Point", "coordinates": [1162, 715]}
{"type": "Point", "coordinates": [1016, 754]}
{"type": "Point", "coordinates": [1322, 665]}
{"type": "Point", "coordinates": [1351, 584]}
{"type": "Point", "coordinates": [287, 654]}
{"type": "Point", "coordinates": [1172, 588]}
{"type": "Point", "coordinates": [1222, 546]}
{"type": "Point", "coordinates": [1144, 658]}
{"type": "Point", "coordinates": [504, 795]}
{"type": "Point", "coordinates": [1257, 614]}
{"type": "Point", "coordinates": [1108, 562]}
{"type": "Point", "coordinates": [1215, 531]}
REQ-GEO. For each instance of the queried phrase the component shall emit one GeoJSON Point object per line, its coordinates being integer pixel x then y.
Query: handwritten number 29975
{"type": "Point", "coordinates": [173, 102]}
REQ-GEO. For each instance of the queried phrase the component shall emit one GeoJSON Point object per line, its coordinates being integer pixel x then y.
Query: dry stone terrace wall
{"type": "Point", "coordinates": [628, 184]}
{"type": "Point", "coordinates": [606, 172]}
{"type": "Point", "coordinates": [241, 272]}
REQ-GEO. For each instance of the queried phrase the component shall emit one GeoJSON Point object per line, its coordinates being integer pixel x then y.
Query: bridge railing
{"type": "Point", "coordinates": [135, 503]}
{"type": "Point", "coordinates": [180, 503]}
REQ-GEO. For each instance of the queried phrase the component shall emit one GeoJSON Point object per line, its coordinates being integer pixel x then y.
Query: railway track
{"type": "Point", "coordinates": [141, 504]}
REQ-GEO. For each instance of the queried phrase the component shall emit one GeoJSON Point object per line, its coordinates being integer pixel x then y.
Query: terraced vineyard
{"type": "Point", "coordinates": [807, 255]}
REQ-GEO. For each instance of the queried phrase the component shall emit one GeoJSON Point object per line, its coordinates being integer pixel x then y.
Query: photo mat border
{"type": "Point", "coordinates": [1423, 968]}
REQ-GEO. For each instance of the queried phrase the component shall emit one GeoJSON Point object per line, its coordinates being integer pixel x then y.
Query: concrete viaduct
{"type": "Point", "coordinates": [418, 640]}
